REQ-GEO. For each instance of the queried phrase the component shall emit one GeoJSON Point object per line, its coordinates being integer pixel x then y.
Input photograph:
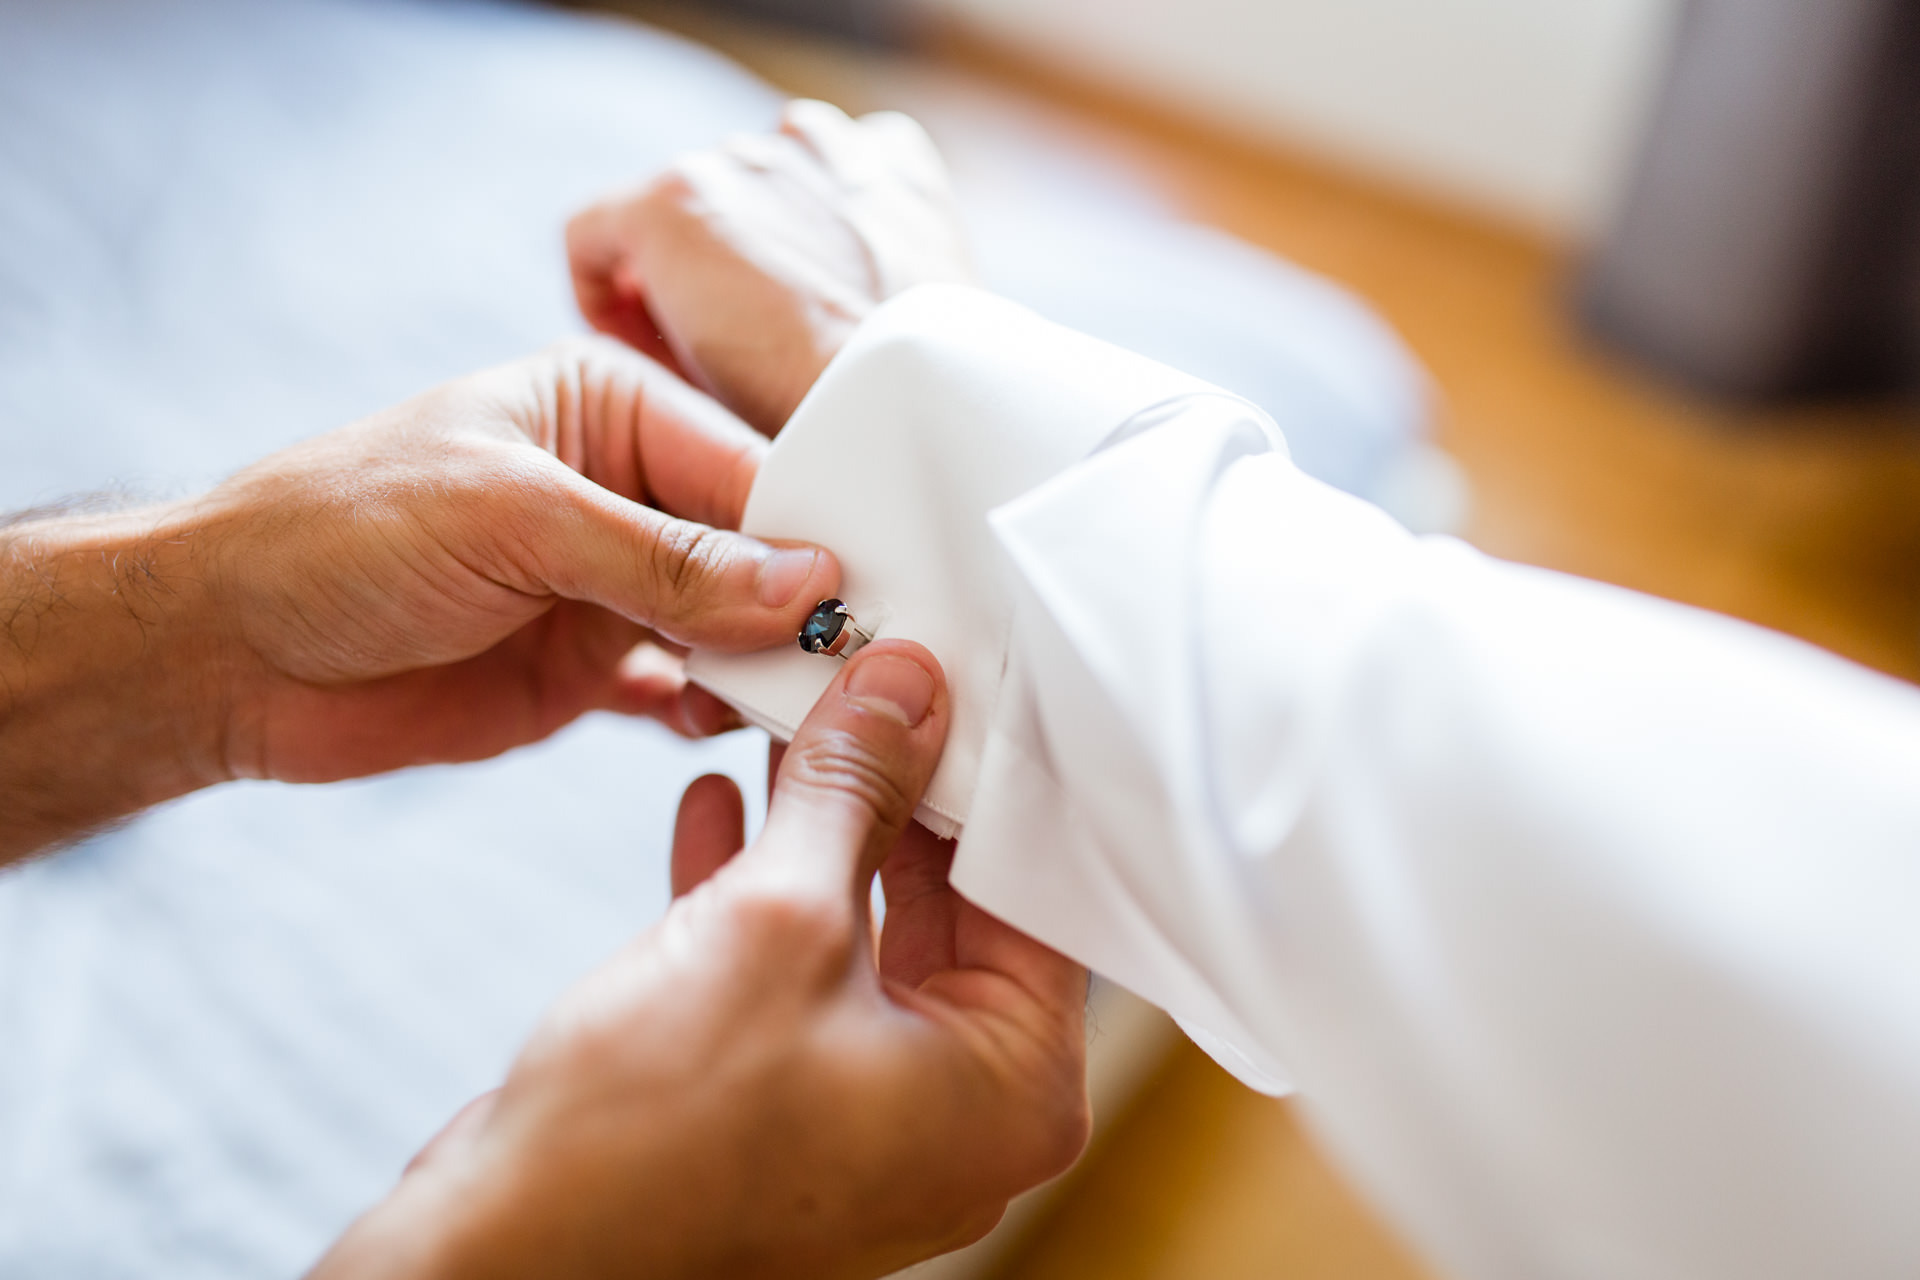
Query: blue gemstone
{"type": "Point", "coordinates": [823, 627]}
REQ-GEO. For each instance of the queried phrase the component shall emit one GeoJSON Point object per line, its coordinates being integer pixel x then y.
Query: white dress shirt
{"type": "Point", "coordinates": [1587, 925]}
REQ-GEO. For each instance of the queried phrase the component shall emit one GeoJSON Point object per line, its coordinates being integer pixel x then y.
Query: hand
{"type": "Point", "coordinates": [749, 265]}
{"type": "Point", "coordinates": [469, 571]}
{"type": "Point", "coordinates": [443, 581]}
{"type": "Point", "coordinates": [750, 1090]}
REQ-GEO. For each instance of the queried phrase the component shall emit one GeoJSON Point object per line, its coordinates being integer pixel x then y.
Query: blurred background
{"type": "Point", "coordinates": [1626, 288]}
{"type": "Point", "coordinates": [1660, 260]}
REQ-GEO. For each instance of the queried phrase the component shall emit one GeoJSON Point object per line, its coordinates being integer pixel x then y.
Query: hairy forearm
{"type": "Point", "coordinates": [111, 695]}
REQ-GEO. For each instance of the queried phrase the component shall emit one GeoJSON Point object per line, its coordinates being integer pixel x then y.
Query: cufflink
{"type": "Point", "coordinates": [832, 631]}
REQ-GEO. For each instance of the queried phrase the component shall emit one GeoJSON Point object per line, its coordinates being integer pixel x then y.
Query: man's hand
{"type": "Point", "coordinates": [752, 1088]}
{"type": "Point", "coordinates": [750, 265]}
{"type": "Point", "coordinates": [445, 580]}
{"type": "Point", "coordinates": [471, 570]}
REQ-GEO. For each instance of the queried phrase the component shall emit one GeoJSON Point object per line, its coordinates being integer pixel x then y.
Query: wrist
{"type": "Point", "coordinates": [466, 1218]}
{"type": "Point", "coordinates": [421, 1231]}
{"type": "Point", "coordinates": [112, 670]}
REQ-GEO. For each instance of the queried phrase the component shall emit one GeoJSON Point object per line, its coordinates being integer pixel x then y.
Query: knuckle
{"type": "Point", "coordinates": [1043, 1086]}
{"type": "Point", "coordinates": [686, 559]}
{"type": "Point", "coordinates": [1062, 1120]}
{"type": "Point", "coordinates": [585, 229]}
{"type": "Point", "coordinates": [578, 369]}
{"type": "Point", "coordinates": [677, 191]}
{"type": "Point", "coordinates": [843, 764]}
{"type": "Point", "coordinates": [565, 354]}
{"type": "Point", "coordinates": [1047, 1142]}
{"type": "Point", "coordinates": [1062, 1141]}
{"type": "Point", "coordinates": [973, 1224]}
{"type": "Point", "coordinates": [512, 485]}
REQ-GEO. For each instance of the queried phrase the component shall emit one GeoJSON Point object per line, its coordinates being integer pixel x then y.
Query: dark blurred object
{"type": "Point", "coordinates": [871, 21]}
{"type": "Point", "coordinates": [1770, 244]}
{"type": "Point", "coordinates": [875, 22]}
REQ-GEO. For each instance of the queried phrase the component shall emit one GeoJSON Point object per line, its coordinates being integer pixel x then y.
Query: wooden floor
{"type": "Point", "coordinates": [1805, 521]}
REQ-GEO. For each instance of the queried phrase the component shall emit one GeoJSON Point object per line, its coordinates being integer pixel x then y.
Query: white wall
{"type": "Point", "coordinates": [1526, 107]}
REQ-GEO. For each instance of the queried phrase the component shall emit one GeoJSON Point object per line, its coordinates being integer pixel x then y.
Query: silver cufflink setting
{"type": "Point", "coordinates": [832, 631]}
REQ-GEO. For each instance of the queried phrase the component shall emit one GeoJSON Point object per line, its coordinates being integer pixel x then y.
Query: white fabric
{"type": "Point", "coordinates": [1588, 925]}
{"type": "Point", "coordinates": [226, 225]}
{"type": "Point", "coordinates": [1085, 254]}
{"type": "Point", "coordinates": [947, 403]}
{"type": "Point", "coordinates": [1587, 922]}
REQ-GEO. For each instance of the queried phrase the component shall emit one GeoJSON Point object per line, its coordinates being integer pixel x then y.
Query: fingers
{"type": "Point", "coordinates": [1056, 984]}
{"type": "Point", "coordinates": [917, 936]}
{"type": "Point", "coordinates": [836, 141]}
{"type": "Point", "coordinates": [694, 585]}
{"type": "Point", "coordinates": [881, 146]}
{"type": "Point", "coordinates": [638, 429]}
{"type": "Point", "coordinates": [894, 192]}
{"type": "Point", "coordinates": [629, 434]}
{"type": "Point", "coordinates": [602, 250]}
{"type": "Point", "coordinates": [705, 715]}
{"type": "Point", "coordinates": [930, 930]}
{"type": "Point", "coordinates": [649, 682]}
{"type": "Point", "coordinates": [652, 682]}
{"type": "Point", "coordinates": [695, 458]}
{"type": "Point", "coordinates": [853, 774]}
{"type": "Point", "coordinates": [914, 155]}
{"type": "Point", "coordinates": [710, 829]}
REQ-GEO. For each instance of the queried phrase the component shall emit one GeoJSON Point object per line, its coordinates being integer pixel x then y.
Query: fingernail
{"type": "Point", "coordinates": [784, 573]}
{"type": "Point", "coordinates": [893, 686]}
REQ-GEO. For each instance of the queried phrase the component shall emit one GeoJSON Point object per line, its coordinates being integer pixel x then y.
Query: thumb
{"type": "Point", "coordinates": [850, 780]}
{"type": "Point", "coordinates": [693, 584]}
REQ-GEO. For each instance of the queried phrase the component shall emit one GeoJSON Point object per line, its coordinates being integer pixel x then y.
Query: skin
{"type": "Point", "coordinates": [752, 1088]}
{"type": "Point", "coordinates": [453, 577]}
{"type": "Point", "coordinates": [759, 1085]}
{"type": "Point", "coordinates": [748, 266]}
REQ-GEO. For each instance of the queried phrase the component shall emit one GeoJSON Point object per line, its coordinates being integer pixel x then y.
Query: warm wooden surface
{"type": "Point", "coordinates": [1805, 521]}
{"type": "Point", "coordinates": [1204, 1180]}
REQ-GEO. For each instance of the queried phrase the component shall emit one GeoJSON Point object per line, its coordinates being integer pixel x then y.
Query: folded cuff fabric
{"type": "Point", "coordinates": [954, 430]}
{"type": "Point", "coordinates": [947, 403]}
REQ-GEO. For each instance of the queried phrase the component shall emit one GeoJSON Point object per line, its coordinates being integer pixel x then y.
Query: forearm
{"type": "Point", "coordinates": [421, 1231]}
{"type": "Point", "coordinates": [111, 660]}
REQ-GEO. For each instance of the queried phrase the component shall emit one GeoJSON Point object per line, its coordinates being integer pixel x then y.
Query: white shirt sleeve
{"type": "Point", "coordinates": [1588, 925]}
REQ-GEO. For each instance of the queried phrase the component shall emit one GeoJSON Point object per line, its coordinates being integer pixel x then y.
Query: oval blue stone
{"type": "Point", "coordinates": [824, 626]}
